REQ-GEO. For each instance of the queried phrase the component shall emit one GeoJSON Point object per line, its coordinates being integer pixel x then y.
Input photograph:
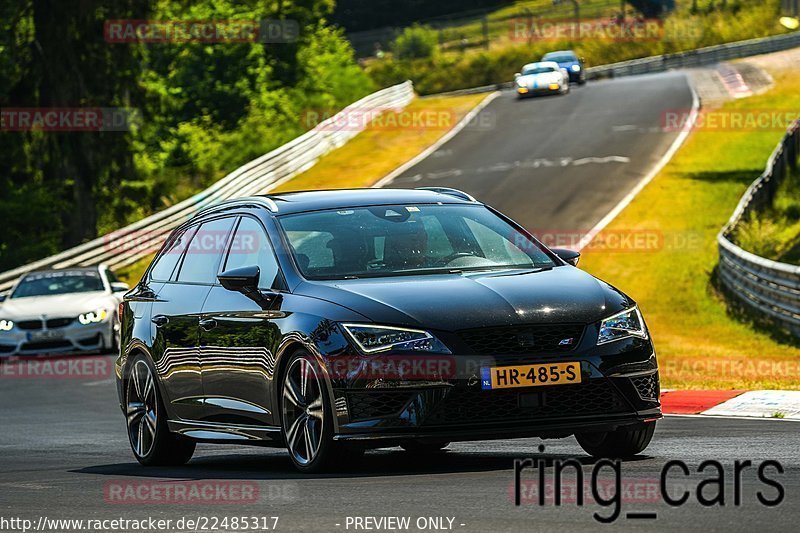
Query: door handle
{"type": "Point", "coordinates": [160, 320]}
{"type": "Point", "coordinates": [208, 324]}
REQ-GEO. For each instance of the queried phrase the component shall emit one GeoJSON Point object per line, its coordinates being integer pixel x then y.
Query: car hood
{"type": "Point", "coordinates": [60, 305]}
{"type": "Point", "coordinates": [452, 302]}
{"type": "Point", "coordinates": [533, 80]}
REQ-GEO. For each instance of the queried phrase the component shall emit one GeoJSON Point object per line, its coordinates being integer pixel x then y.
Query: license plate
{"type": "Point", "coordinates": [45, 335]}
{"type": "Point", "coordinates": [509, 377]}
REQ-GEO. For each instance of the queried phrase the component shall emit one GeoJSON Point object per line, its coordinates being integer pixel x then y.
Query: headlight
{"type": "Point", "coordinates": [575, 68]}
{"type": "Point", "coordinates": [521, 83]}
{"type": "Point", "coordinates": [92, 317]}
{"type": "Point", "coordinates": [6, 325]}
{"type": "Point", "coordinates": [373, 339]}
{"type": "Point", "coordinates": [628, 323]}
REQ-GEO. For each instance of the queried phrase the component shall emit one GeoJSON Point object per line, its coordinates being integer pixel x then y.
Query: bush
{"type": "Point", "coordinates": [416, 42]}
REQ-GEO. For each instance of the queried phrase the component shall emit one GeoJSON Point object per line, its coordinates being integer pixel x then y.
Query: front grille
{"type": "Point", "coordinates": [46, 345]}
{"type": "Point", "coordinates": [59, 322]}
{"type": "Point", "coordinates": [29, 324]}
{"type": "Point", "coordinates": [374, 404]}
{"type": "Point", "coordinates": [523, 340]}
{"type": "Point", "coordinates": [648, 387]}
{"type": "Point", "coordinates": [592, 398]}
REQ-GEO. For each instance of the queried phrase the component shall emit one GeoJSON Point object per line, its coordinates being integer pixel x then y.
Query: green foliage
{"type": "Point", "coordinates": [682, 31]}
{"type": "Point", "coordinates": [206, 109]}
{"type": "Point", "coordinates": [775, 233]}
{"type": "Point", "coordinates": [416, 42]}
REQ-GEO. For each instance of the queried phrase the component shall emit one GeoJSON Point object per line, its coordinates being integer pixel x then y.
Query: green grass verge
{"type": "Point", "coordinates": [699, 343]}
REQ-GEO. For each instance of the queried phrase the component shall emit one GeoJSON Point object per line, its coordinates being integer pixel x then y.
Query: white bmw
{"type": "Point", "coordinates": [541, 77]}
{"type": "Point", "coordinates": [61, 312]}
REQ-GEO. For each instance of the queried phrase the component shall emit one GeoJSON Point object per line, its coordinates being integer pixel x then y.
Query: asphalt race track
{"type": "Point", "coordinates": [560, 163]}
{"type": "Point", "coordinates": [63, 446]}
{"type": "Point", "coordinates": [554, 162]}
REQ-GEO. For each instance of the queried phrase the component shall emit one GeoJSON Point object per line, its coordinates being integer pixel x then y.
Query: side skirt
{"type": "Point", "coordinates": [228, 434]}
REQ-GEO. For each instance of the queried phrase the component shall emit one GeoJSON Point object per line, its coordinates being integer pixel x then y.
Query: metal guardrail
{"type": "Point", "coordinates": [768, 288]}
{"type": "Point", "coordinates": [127, 245]}
{"type": "Point", "coordinates": [698, 57]}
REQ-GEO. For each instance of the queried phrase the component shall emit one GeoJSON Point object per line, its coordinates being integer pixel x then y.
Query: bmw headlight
{"type": "Point", "coordinates": [377, 339]}
{"type": "Point", "coordinates": [628, 323]}
{"type": "Point", "coordinates": [6, 325]}
{"type": "Point", "coordinates": [92, 317]}
{"type": "Point", "coordinates": [575, 68]}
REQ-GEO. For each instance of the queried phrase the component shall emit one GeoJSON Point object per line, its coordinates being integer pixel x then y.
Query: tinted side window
{"type": "Point", "coordinates": [205, 251]}
{"type": "Point", "coordinates": [165, 264]}
{"type": "Point", "coordinates": [250, 246]}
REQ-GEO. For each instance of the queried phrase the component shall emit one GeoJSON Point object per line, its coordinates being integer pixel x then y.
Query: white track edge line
{"type": "Point", "coordinates": [654, 171]}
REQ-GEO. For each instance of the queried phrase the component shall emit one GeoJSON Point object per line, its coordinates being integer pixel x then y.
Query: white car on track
{"type": "Point", "coordinates": [544, 77]}
{"type": "Point", "coordinates": [61, 311]}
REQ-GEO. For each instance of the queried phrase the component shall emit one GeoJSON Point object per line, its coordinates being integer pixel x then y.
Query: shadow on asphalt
{"type": "Point", "coordinates": [277, 466]}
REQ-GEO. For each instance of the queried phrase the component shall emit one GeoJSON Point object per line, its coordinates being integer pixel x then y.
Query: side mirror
{"type": "Point", "coordinates": [243, 279]}
{"type": "Point", "coordinates": [2, 297]}
{"type": "Point", "coordinates": [517, 75]}
{"type": "Point", "coordinates": [570, 256]}
{"type": "Point", "coordinates": [119, 286]}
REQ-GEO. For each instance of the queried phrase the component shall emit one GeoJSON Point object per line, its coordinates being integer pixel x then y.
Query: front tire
{"type": "Point", "coordinates": [151, 441]}
{"type": "Point", "coordinates": [306, 421]}
{"type": "Point", "coordinates": [621, 443]}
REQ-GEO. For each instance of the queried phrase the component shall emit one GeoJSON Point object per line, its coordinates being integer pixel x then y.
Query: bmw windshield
{"type": "Point", "coordinates": [54, 283]}
{"type": "Point", "coordinates": [563, 58]}
{"type": "Point", "coordinates": [399, 240]}
{"type": "Point", "coordinates": [537, 70]}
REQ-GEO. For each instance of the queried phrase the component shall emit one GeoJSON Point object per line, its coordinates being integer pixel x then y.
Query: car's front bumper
{"type": "Point", "coordinates": [575, 77]}
{"type": "Point", "coordinates": [74, 338]}
{"type": "Point", "coordinates": [528, 91]}
{"type": "Point", "coordinates": [463, 412]}
{"type": "Point", "coordinates": [620, 386]}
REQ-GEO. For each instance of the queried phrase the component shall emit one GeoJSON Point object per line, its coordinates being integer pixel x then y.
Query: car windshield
{"type": "Point", "coordinates": [397, 240]}
{"type": "Point", "coordinates": [537, 70]}
{"type": "Point", "coordinates": [560, 58]}
{"type": "Point", "coordinates": [62, 282]}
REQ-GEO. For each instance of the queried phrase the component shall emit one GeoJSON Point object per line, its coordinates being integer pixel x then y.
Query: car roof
{"type": "Point", "coordinates": [302, 201]}
{"type": "Point", "coordinates": [539, 64]}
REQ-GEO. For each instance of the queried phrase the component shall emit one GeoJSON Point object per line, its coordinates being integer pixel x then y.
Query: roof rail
{"type": "Point", "coordinates": [263, 201]}
{"type": "Point", "coordinates": [449, 191]}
